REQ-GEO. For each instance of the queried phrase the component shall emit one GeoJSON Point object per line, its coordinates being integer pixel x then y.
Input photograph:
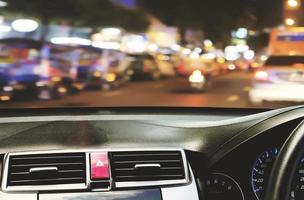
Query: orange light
{"type": "Point", "coordinates": [5, 98]}
{"type": "Point", "coordinates": [290, 21]}
{"type": "Point", "coordinates": [293, 4]}
{"type": "Point", "coordinates": [255, 65]}
{"type": "Point", "coordinates": [62, 90]}
{"type": "Point", "coordinates": [97, 74]}
{"type": "Point", "coordinates": [261, 75]}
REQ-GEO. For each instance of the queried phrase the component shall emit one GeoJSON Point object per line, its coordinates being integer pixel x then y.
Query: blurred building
{"type": "Point", "coordinates": [162, 35]}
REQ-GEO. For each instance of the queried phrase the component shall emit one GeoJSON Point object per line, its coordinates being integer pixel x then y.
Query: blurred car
{"type": "Point", "coordinates": [207, 66]}
{"type": "Point", "coordinates": [6, 90]}
{"type": "Point", "coordinates": [242, 64]}
{"type": "Point", "coordinates": [106, 70]}
{"type": "Point", "coordinates": [280, 79]}
{"type": "Point", "coordinates": [199, 82]}
{"type": "Point", "coordinates": [143, 67]}
{"type": "Point", "coordinates": [165, 65]}
{"type": "Point", "coordinates": [35, 71]}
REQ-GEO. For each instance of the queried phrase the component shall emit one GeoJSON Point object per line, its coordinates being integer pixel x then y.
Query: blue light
{"type": "Point", "coordinates": [241, 33]}
{"type": "Point", "coordinates": [126, 3]}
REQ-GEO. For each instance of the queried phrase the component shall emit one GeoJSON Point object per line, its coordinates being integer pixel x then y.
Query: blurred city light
{"type": "Point", "coordinates": [111, 77]}
{"type": "Point", "coordinates": [263, 57]}
{"type": "Point", "coordinates": [152, 47]}
{"type": "Point", "coordinates": [194, 55]}
{"type": "Point", "coordinates": [241, 33]}
{"type": "Point", "coordinates": [255, 65]}
{"type": "Point", "coordinates": [208, 43]}
{"type": "Point", "coordinates": [3, 4]}
{"type": "Point", "coordinates": [290, 21]}
{"type": "Point", "coordinates": [231, 53]}
{"type": "Point", "coordinates": [209, 56]}
{"type": "Point", "coordinates": [62, 90]}
{"type": "Point", "coordinates": [111, 31]}
{"type": "Point", "coordinates": [7, 88]}
{"type": "Point", "coordinates": [71, 41]}
{"type": "Point", "coordinates": [175, 47]}
{"type": "Point", "coordinates": [111, 34]}
{"type": "Point", "coordinates": [242, 47]}
{"type": "Point", "coordinates": [134, 43]}
{"type": "Point", "coordinates": [106, 45]}
{"type": "Point", "coordinates": [5, 98]}
{"type": "Point", "coordinates": [252, 32]}
{"type": "Point", "coordinates": [198, 50]}
{"type": "Point", "coordinates": [293, 3]}
{"type": "Point", "coordinates": [97, 37]}
{"type": "Point", "coordinates": [25, 25]}
{"type": "Point", "coordinates": [5, 29]}
{"type": "Point", "coordinates": [249, 55]}
{"type": "Point", "coordinates": [186, 51]}
{"type": "Point", "coordinates": [220, 60]}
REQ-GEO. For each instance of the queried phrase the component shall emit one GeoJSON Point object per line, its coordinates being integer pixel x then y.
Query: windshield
{"type": "Point", "coordinates": [285, 60]}
{"type": "Point", "coordinates": [129, 53]}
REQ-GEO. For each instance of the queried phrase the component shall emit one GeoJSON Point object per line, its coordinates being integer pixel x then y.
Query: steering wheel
{"type": "Point", "coordinates": [279, 186]}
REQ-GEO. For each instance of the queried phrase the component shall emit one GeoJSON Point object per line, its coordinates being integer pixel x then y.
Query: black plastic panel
{"type": "Point", "coordinates": [152, 194]}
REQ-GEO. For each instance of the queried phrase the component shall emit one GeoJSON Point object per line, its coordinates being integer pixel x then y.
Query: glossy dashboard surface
{"type": "Point", "coordinates": [216, 141]}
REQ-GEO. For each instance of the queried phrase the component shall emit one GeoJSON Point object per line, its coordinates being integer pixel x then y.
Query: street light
{"type": "Point", "coordinates": [290, 21]}
{"type": "Point", "coordinates": [3, 4]}
{"type": "Point", "coordinates": [25, 25]}
{"type": "Point", "coordinates": [293, 4]}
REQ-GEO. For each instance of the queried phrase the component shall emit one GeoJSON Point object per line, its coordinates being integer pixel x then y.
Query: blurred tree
{"type": "Point", "coordinates": [216, 17]}
{"type": "Point", "coordinates": [104, 13]}
{"type": "Point", "coordinates": [94, 13]}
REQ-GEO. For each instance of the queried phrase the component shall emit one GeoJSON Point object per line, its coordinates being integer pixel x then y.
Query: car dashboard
{"type": "Point", "coordinates": [143, 153]}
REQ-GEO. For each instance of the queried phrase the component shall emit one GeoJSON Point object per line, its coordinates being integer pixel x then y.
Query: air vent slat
{"type": "Point", "coordinates": [70, 169]}
{"type": "Point", "coordinates": [170, 166]}
{"type": "Point", "coordinates": [45, 164]}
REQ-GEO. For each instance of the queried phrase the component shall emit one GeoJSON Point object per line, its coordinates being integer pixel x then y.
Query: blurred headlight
{"type": "Point", "coordinates": [197, 77]}
{"type": "Point", "coordinates": [231, 67]}
{"type": "Point", "coordinates": [261, 75]}
{"type": "Point", "coordinates": [111, 77]}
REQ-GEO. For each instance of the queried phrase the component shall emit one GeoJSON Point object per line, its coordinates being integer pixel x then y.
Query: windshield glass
{"type": "Point", "coordinates": [129, 53]}
{"type": "Point", "coordinates": [285, 60]}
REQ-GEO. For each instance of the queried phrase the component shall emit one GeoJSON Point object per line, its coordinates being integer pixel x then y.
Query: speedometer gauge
{"type": "Point", "coordinates": [261, 172]}
{"type": "Point", "coordinates": [220, 186]}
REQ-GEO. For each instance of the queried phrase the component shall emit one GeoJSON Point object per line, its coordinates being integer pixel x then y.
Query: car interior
{"type": "Point", "coordinates": [145, 153]}
{"type": "Point", "coordinates": [151, 100]}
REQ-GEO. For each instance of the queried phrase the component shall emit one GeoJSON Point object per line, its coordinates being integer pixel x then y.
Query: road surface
{"type": "Point", "coordinates": [230, 90]}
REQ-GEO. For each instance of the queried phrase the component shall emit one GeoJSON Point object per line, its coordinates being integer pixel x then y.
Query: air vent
{"type": "Point", "coordinates": [46, 169]}
{"type": "Point", "coordinates": [147, 166]}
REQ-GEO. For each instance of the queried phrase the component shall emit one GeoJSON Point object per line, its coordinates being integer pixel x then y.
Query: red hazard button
{"type": "Point", "coordinates": [99, 166]}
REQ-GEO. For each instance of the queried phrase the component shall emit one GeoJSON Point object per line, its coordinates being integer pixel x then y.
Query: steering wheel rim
{"type": "Point", "coordinates": [285, 166]}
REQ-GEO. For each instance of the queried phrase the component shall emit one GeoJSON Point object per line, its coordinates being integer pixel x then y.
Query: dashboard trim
{"type": "Point", "coordinates": [87, 185]}
{"type": "Point", "coordinates": [253, 131]}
